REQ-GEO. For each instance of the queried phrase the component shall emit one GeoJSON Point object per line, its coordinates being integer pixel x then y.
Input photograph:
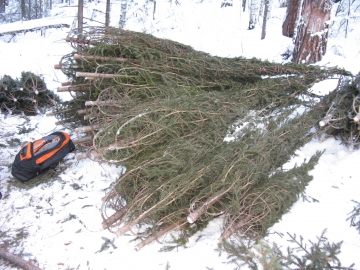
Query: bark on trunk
{"type": "Point", "coordinates": [80, 16]}
{"type": "Point", "coordinates": [311, 38]}
{"type": "Point", "coordinates": [289, 24]}
{"type": "Point", "coordinates": [29, 11]}
{"type": "Point", "coordinates": [107, 14]}
{"type": "Point", "coordinates": [265, 18]}
{"type": "Point", "coordinates": [17, 260]}
{"type": "Point", "coordinates": [23, 10]}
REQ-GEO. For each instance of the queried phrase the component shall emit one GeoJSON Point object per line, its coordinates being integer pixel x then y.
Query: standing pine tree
{"type": "Point", "coordinates": [312, 33]}
{"type": "Point", "coordinates": [292, 11]}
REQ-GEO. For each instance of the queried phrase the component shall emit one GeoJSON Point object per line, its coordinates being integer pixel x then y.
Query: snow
{"type": "Point", "coordinates": [57, 222]}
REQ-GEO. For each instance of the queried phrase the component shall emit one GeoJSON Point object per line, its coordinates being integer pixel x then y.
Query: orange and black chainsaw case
{"type": "Point", "coordinates": [37, 157]}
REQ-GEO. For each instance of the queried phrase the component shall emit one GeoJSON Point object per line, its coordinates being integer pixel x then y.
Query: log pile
{"type": "Point", "coordinates": [200, 136]}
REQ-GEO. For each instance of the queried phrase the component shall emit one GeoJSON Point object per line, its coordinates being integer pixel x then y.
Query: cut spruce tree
{"type": "Point", "coordinates": [201, 136]}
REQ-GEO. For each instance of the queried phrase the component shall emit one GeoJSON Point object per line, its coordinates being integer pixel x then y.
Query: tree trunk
{"type": "Point", "coordinates": [36, 7]}
{"type": "Point", "coordinates": [17, 260]}
{"type": "Point", "coordinates": [254, 13]}
{"type": "Point", "coordinates": [2, 6]}
{"type": "Point", "coordinates": [107, 14]}
{"type": "Point", "coordinates": [292, 11]}
{"type": "Point", "coordinates": [22, 8]}
{"type": "Point", "coordinates": [80, 16]}
{"type": "Point", "coordinates": [312, 32]}
{"type": "Point", "coordinates": [265, 18]}
{"type": "Point", "coordinates": [41, 8]}
{"type": "Point", "coordinates": [123, 13]}
{"type": "Point", "coordinates": [29, 11]}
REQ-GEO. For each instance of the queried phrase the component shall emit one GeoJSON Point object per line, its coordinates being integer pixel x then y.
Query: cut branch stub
{"type": "Point", "coordinates": [157, 235]}
{"type": "Point", "coordinates": [97, 75]}
{"type": "Point", "coordinates": [87, 128]}
{"type": "Point", "coordinates": [113, 218]}
{"type": "Point", "coordinates": [91, 155]}
{"type": "Point", "coordinates": [71, 88]}
{"type": "Point", "coordinates": [102, 103]}
{"type": "Point", "coordinates": [100, 58]}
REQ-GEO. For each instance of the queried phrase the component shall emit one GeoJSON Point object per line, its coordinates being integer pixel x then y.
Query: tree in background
{"type": "Point", "coordinates": [267, 5]}
{"type": "Point", "coordinates": [312, 31]}
{"type": "Point", "coordinates": [107, 13]}
{"type": "Point", "coordinates": [2, 6]}
{"type": "Point", "coordinates": [123, 7]}
{"type": "Point", "coordinates": [254, 13]}
{"type": "Point", "coordinates": [290, 22]}
{"type": "Point", "coordinates": [80, 16]}
{"type": "Point", "coordinates": [23, 10]}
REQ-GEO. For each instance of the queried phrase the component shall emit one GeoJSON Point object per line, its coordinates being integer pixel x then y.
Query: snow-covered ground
{"type": "Point", "coordinates": [57, 222]}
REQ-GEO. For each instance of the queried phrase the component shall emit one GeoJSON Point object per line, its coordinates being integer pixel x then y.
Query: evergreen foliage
{"type": "Point", "coordinates": [319, 254]}
{"type": "Point", "coordinates": [25, 95]}
{"type": "Point", "coordinates": [200, 136]}
{"type": "Point", "coordinates": [354, 216]}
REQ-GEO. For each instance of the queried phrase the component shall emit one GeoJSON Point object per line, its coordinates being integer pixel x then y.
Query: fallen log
{"type": "Point", "coordinates": [17, 260]}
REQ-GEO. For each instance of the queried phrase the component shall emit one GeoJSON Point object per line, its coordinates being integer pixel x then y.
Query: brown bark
{"type": "Point", "coordinates": [311, 38]}
{"type": "Point", "coordinates": [289, 24]}
{"type": "Point", "coordinates": [66, 83]}
{"type": "Point", "coordinates": [17, 260]}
